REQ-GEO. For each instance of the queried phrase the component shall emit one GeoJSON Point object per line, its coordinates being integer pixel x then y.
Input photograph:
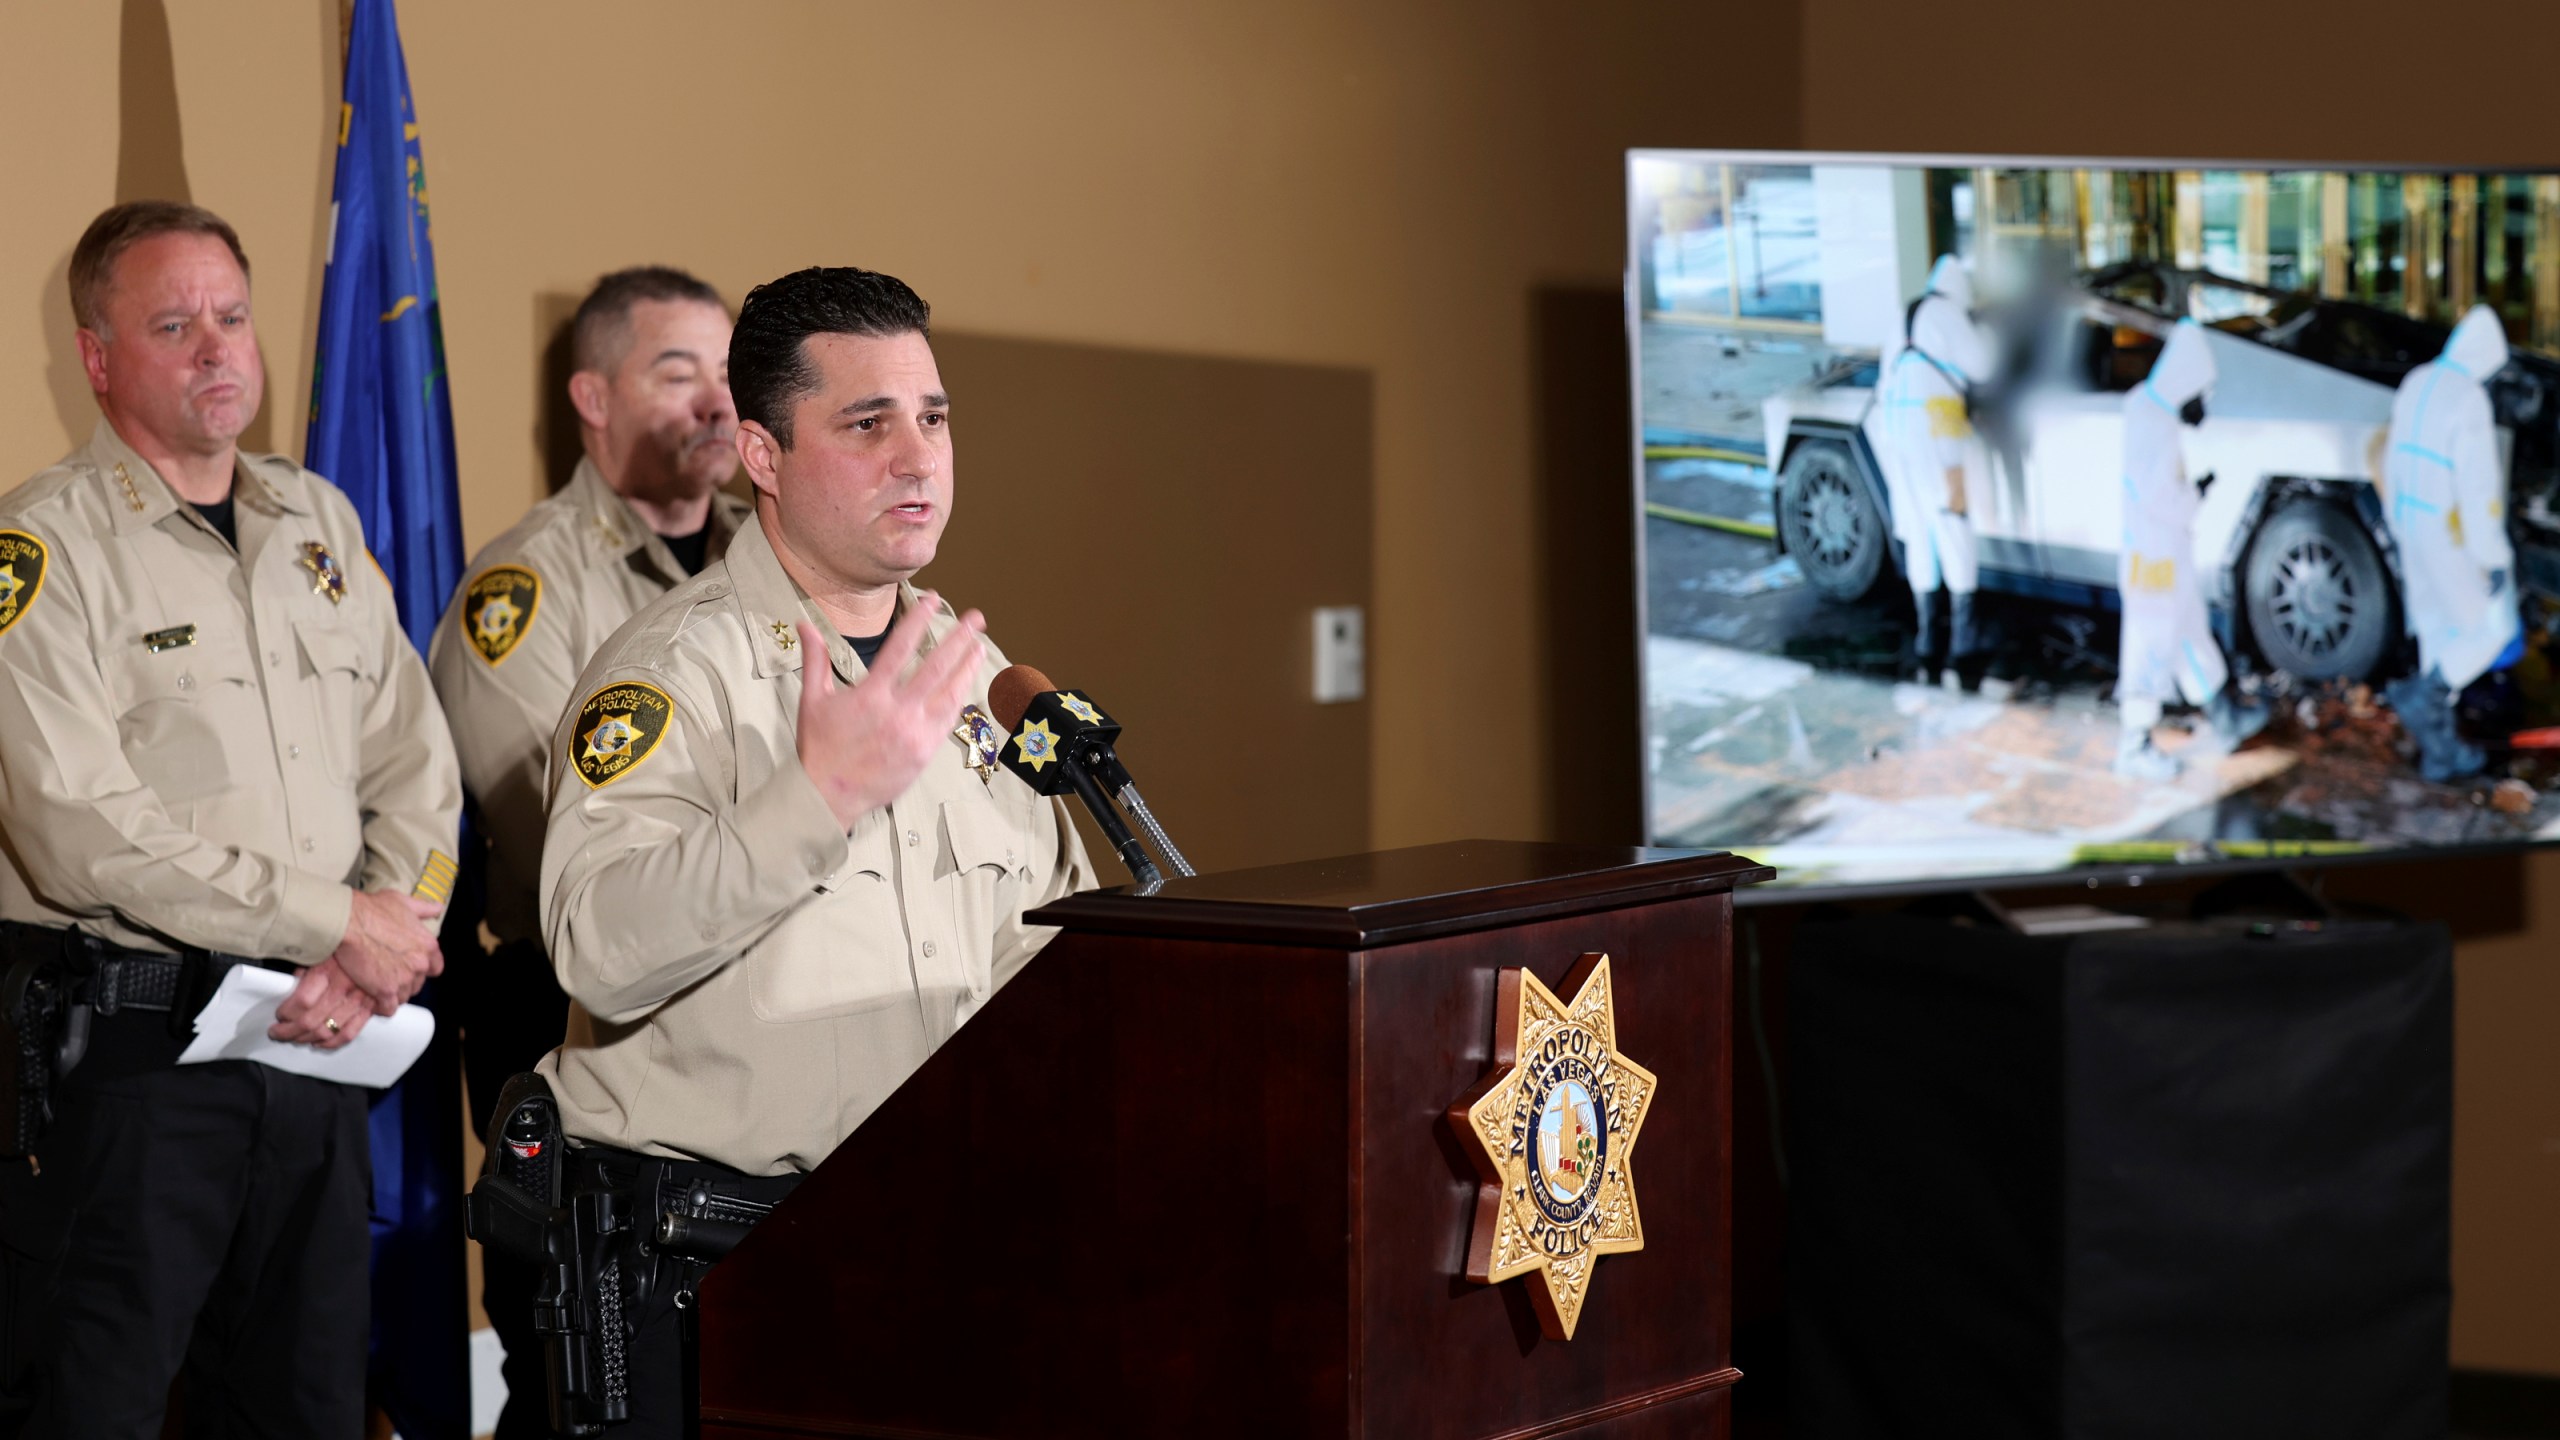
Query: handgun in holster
{"type": "Point", "coordinates": [581, 1244]}
{"type": "Point", "coordinates": [43, 1033]}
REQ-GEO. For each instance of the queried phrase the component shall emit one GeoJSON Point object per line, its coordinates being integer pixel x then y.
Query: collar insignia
{"type": "Point", "coordinates": [1552, 1130]}
{"type": "Point", "coordinates": [327, 576]}
{"type": "Point", "coordinates": [980, 740]}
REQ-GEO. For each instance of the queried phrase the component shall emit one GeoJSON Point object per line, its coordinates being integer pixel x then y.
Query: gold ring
{"type": "Point", "coordinates": [332, 1023]}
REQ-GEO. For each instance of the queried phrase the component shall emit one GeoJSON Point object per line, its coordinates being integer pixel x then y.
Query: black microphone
{"type": "Point", "coordinates": [1061, 741]}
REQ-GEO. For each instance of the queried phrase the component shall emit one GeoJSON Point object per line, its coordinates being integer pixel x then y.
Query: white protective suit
{"type": "Point", "coordinates": [1927, 433]}
{"type": "Point", "coordinates": [2167, 650]}
{"type": "Point", "coordinates": [2444, 491]}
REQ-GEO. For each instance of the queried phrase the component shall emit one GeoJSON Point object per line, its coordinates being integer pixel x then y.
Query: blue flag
{"type": "Point", "coordinates": [382, 429]}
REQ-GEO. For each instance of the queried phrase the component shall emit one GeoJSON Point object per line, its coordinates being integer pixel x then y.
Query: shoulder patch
{"type": "Point", "coordinates": [22, 561]}
{"type": "Point", "coordinates": [617, 728]}
{"type": "Point", "coordinates": [497, 609]}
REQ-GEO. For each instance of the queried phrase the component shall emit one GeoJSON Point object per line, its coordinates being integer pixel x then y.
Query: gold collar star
{"type": "Point", "coordinates": [1552, 1130]}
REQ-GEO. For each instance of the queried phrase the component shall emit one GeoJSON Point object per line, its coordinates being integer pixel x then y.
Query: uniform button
{"type": "Point", "coordinates": [710, 932]}
{"type": "Point", "coordinates": [911, 839]}
{"type": "Point", "coordinates": [293, 752]}
{"type": "Point", "coordinates": [273, 659]}
{"type": "Point", "coordinates": [928, 949]}
{"type": "Point", "coordinates": [309, 845]}
{"type": "Point", "coordinates": [186, 682]}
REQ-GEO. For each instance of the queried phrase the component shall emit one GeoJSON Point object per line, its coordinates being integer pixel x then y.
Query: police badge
{"type": "Point", "coordinates": [980, 741]}
{"type": "Point", "coordinates": [1552, 1129]}
{"type": "Point", "coordinates": [326, 576]}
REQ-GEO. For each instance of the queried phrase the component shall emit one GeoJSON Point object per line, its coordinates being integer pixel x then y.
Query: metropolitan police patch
{"type": "Point", "coordinates": [617, 728]}
{"type": "Point", "coordinates": [22, 558]}
{"type": "Point", "coordinates": [498, 607]}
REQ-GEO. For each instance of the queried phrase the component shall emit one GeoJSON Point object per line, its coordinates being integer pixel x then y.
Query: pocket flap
{"type": "Point", "coordinates": [976, 835]}
{"type": "Point", "coordinates": [333, 647]}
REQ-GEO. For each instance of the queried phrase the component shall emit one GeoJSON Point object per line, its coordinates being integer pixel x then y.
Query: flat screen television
{"type": "Point", "coordinates": [2023, 518]}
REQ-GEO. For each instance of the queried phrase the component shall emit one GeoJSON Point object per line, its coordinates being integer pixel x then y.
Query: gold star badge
{"type": "Point", "coordinates": [498, 607]}
{"type": "Point", "coordinates": [1080, 708]}
{"type": "Point", "coordinates": [327, 577]}
{"type": "Point", "coordinates": [616, 729]}
{"type": "Point", "coordinates": [22, 562]}
{"type": "Point", "coordinates": [1036, 745]}
{"type": "Point", "coordinates": [1551, 1130]}
{"type": "Point", "coordinates": [783, 639]}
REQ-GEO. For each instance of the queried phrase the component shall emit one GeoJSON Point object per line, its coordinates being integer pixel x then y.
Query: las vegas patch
{"type": "Point", "coordinates": [617, 728]}
{"type": "Point", "coordinates": [497, 609]}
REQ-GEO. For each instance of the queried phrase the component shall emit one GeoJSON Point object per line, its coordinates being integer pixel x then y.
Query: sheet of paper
{"type": "Point", "coordinates": [233, 1026]}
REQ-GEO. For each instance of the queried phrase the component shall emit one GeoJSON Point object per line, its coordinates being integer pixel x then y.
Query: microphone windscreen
{"type": "Point", "coordinates": [1011, 693]}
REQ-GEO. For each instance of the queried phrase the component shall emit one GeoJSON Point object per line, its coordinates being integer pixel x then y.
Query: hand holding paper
{"type": "Point", "coordinates": [236, 1025]}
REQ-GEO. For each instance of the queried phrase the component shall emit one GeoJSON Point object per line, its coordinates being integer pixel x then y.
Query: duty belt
{"type": "Point", "coordinates": [112, 978]}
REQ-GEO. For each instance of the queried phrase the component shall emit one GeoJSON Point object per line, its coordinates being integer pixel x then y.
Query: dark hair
{"type": "Point", "coordinates": [769, 369]}
{"type": "Point", "coordinates": [602, 326]}
{"type": "Point", "coordinates": [120, 228]}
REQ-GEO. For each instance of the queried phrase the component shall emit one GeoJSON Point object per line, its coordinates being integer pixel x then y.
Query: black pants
{"type": "Point", "coordinates": [513, 1013]}
{"type": "Point", "coordinates": [204, 1220]}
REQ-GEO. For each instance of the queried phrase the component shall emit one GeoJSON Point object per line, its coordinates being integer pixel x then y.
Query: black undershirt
{"type": "Point", "coordinates": [691, 551]}
{"type": "Point", "coordinates": [223, 519]}
{"type": "Point", "coordinates": [866, 648]}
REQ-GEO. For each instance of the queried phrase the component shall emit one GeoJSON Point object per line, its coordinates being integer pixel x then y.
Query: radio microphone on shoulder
{"type": "Point", "coordinates": [1059, 740]}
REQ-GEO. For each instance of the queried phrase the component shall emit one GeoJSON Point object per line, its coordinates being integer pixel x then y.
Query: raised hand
{"type": "Point", "coordinates": [863, 745]}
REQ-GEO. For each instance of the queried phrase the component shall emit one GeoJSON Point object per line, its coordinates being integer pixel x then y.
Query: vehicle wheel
{"type": "Point", "coordinates": [2320, 605]}
{"type": "Point", "coordinates": [1829, 522]}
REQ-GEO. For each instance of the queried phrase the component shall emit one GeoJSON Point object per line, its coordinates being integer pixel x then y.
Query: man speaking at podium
{"type": "Point", "coordinates": [783, 862]}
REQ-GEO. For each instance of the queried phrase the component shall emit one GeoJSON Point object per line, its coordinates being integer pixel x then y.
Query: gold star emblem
{"type": "Point", "coordinates": [1080, 708]}
{"type": "Point", "coordinates": [1036, 745]}
{"type": "Point", "coordinates": [10, 584]}
{"type": "Point", "coordinates": [497, 620]}
{"type": "Point", "coordinates": [611, 736]}
{"type": "Point", "coordinates": [782, 635]}
{"type": "Point", "coordinates": [1552, 1130]}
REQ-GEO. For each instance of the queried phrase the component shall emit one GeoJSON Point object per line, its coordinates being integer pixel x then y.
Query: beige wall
{"type": "Point", "coordinates": [2350, 82]}
{"type": "Point", "coordinates": [1377, 188]}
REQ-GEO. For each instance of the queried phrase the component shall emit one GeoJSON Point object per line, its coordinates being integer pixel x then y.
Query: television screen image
{"type": "Point", "coordinates": [2004, 518]}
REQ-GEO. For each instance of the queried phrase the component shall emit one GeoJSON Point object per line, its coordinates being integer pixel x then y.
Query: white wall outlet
{"type": "Point", "coordinates": [1341, 654]}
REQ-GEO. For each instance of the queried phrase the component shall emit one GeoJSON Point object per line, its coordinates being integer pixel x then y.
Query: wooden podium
{"type": "Point", "coordinates": [1189, 1175]}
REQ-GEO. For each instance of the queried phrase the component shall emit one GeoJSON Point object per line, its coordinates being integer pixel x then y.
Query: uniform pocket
{"type": "Point", "coordinates": [343, 669]}
{"type": "Point", "coordinates": [168, 709]}
{"type": "Point", "coordinates": [842, 952]}
{"type": "Point", "coordinates": [980, 867]}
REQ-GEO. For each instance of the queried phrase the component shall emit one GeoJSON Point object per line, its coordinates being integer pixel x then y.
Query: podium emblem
{"type": "Point", "coordinates": [1552, 1131]}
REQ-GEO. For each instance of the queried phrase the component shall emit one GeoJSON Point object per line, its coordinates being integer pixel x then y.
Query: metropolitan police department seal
{"type": "Point", "coordinates": [1552, 1129]}
{"type": "Point", "coordinates": [498, 608]}
{"type": "Point", "coordinates": [617, 728]}
{"type": "Point", "coordinates": [22, 560]}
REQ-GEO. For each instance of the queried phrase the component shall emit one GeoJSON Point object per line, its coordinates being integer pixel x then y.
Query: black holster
{"type": "Point", "coordinates": [610, 1232]}
{"type": "Point", "coordinates": [523, 1207]}
{"type": "Point", "coordinates": [43, 1033]}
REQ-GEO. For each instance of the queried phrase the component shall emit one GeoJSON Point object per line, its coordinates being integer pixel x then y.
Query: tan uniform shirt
{"type": "Point", "coordinates": [201, 746]}
{"type": "Point", "coordinates": [749, 981]}
{"type": "Point", "coordinates": [533, 608]}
